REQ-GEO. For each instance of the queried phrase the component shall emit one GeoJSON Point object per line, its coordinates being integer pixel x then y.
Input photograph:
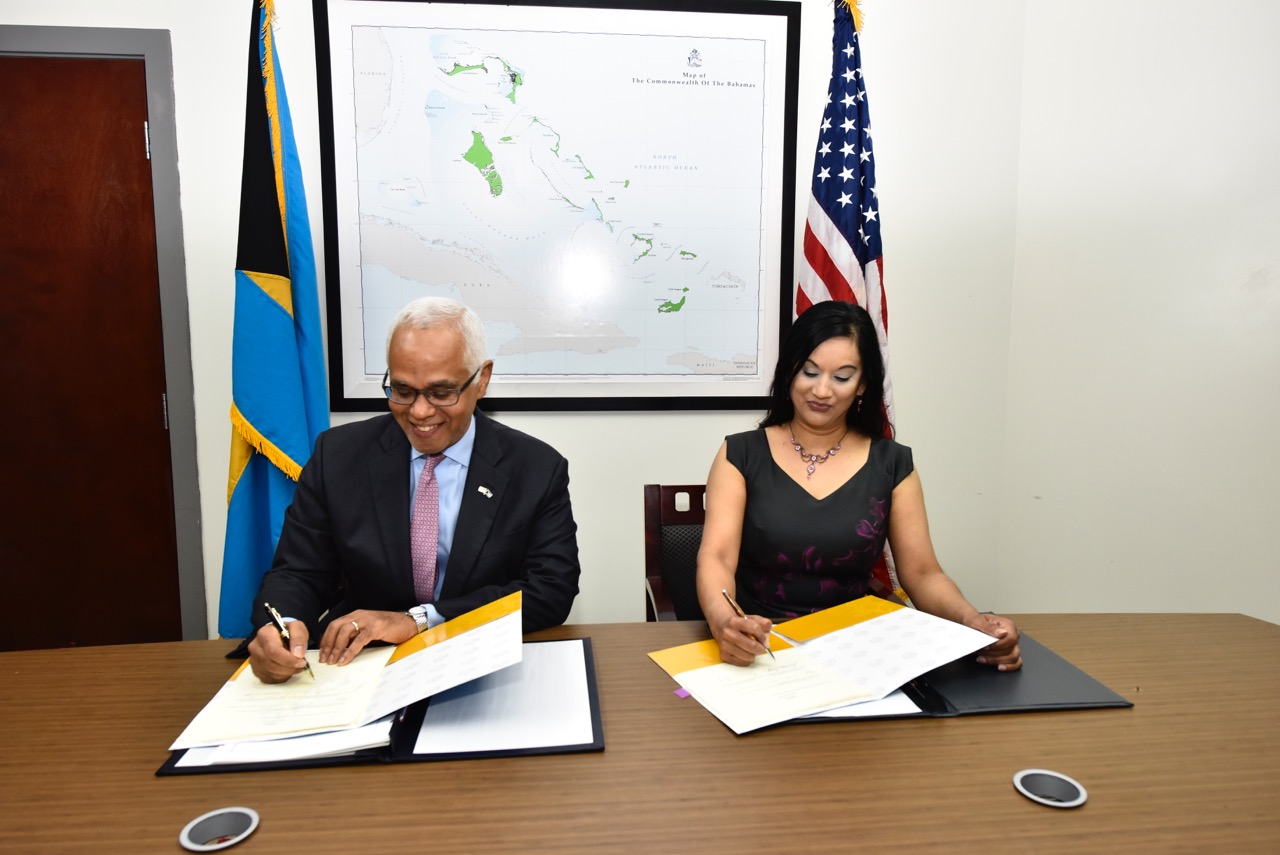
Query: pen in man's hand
{"type": "Point", "coordinates": [283, 629]}
{"type": "Point", "coordinates": [740, 613]}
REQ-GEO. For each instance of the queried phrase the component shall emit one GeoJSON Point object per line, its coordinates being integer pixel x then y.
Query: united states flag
{"type": "Point", "coordinates": [843, 259]}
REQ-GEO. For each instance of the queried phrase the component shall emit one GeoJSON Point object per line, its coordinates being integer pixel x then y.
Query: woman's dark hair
{"type": "Point", "coordinates": [823, 321]}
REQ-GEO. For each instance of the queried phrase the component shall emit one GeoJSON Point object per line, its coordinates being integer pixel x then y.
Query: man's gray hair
{"type": "Point", "coordinates": [428, 312]}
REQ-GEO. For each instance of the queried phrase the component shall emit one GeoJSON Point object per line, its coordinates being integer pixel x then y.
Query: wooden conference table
{"type": "Point", "coordinates": [1194, 766]}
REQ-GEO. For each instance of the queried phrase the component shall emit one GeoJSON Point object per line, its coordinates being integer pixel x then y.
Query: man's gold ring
{"type": "Point", "coordinates": [357, 626]}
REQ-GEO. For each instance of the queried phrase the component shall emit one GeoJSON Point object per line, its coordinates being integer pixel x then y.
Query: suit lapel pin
{"type": "Point", "coordinates": [488, 494]}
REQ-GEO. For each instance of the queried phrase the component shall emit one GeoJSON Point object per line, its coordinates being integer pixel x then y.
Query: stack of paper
{"type": "Point", "coordinates": [855, 653]}
{"type": "Point", "coordinates": [347, 708]}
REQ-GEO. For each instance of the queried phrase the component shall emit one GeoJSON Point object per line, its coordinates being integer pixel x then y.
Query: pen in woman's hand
{"type": "Point", "coordinates": [737, 609]}
{"type": "Point", "coordinates": [283, 629]}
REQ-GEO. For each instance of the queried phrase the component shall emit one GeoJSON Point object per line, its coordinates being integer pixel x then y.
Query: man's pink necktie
{"type": "Point", "coordinates": [424, 530]}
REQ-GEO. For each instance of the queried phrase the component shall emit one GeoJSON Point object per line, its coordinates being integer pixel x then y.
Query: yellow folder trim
{"type": "Point", "coordinates": [836, 617]}
{"type": "Point", "coordinates": [686, 657]}
{"type": "Point", "coordinates": [700, 654]}
{"type": "Point", "coordinates": [510, 604]}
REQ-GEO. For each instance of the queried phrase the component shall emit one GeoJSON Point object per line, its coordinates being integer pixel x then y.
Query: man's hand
{"type": "Point", "coordinates": [1003, 653]}
{"type": "Point", "coordinates": [270, 660]}
{"type": "Point", "coordinates": [348, 635]}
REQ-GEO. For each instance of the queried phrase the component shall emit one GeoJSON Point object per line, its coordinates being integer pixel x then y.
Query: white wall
{"type": "Point", "coordinates": [1141, 468]}
{"type": "Point", "coordinates": [1082, 227]}
{"type": "Point", "coordinates": [943, 80]}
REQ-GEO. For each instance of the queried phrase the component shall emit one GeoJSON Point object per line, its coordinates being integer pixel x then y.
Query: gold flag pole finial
{"type": "Point", "coordinates": [857, 13]}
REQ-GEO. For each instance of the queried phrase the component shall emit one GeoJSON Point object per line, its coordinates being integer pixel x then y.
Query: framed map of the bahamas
{"type": "Point", "coordinates": [609, 185]}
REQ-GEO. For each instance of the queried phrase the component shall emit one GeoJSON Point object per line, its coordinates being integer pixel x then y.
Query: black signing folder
{"type": "Point", "coordinates": [1045, 682]}
{"type": "Point", "coordinates": [546, 704]}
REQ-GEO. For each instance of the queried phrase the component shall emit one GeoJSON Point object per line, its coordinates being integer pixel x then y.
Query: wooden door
{"type": "Point", "coordinates": [88, 551]}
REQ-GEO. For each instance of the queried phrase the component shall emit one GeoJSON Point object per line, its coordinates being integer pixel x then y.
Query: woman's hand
{"type": "Point", "coordinates": [1002, 653]}
{"type": "Point", "coordinates": [742, 639]}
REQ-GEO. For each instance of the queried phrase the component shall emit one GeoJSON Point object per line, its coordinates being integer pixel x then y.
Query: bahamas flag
{"type": "Point", "coordinates": [279, 403]}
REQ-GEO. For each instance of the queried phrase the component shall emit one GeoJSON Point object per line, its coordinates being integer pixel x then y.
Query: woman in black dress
{"type": "Point", "coordinates": [799, 510]}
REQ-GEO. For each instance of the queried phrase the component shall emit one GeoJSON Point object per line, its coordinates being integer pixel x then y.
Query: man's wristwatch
{"type": "Point", "coordinates": [419, 615]}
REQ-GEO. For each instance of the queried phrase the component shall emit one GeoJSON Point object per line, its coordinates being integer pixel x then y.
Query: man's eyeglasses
{"type": "Point", "coordinates": [437, 396]}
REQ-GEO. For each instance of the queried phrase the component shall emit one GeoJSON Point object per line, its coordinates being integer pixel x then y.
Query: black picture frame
{"type": "Point", "coordinates": [778, 23]}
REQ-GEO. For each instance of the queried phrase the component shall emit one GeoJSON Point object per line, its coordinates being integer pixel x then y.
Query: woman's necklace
{"type": "Point", "coordinates": [814, 459]}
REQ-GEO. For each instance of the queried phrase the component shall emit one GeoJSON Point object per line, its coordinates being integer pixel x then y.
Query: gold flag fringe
{"type": "Point", "coordinates": [264, 446]}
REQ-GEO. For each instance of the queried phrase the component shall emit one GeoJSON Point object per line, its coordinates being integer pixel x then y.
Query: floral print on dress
{"type": "Point", "coordinates": [825, 581]}
{"type": "Point", "coordinates": [872, 529]}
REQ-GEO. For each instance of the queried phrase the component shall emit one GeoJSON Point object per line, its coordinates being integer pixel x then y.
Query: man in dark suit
{"type": "Point", "coordinates": [409, 519]}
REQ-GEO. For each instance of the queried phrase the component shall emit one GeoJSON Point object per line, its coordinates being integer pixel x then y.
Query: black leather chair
{"type": "Point", "coordinates": [673, 518]}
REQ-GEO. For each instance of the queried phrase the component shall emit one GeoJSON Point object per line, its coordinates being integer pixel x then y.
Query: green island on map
{"type": "Point", "coordinates": [481, 158]}
{"type": "Point", "coordinates": [647, 243]}
{"type": "Point", "coordinates": [555, 149]}
{"type": "Point", "coordinates": [668, 306]}
{"type": "Point", "coordinates": [459, 68]}
{"type": "Point", "coordinates": [600, 215]}
{"type": "Point", "coordinates": [516, 78]}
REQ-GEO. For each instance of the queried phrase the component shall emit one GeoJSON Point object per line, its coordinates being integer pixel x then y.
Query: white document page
{"type": "Point", "coordinates": [333, 743]}
{"type": "Point", "coordinates": [452, 662]}
{"type": "Point", "coordinates": [897, 703]}
{"type": "Point", "coordinates": [887, 652]}
{"type": "Point", "coordinates": [770, 690]}
{"type": "Point", "coordinates": [541, 702]}
{"type": "Point", "coordinates": [247, 708]}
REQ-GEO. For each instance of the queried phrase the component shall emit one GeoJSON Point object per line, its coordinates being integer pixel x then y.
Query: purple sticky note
{"type": "Point", "coordinates": [682, 693]}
